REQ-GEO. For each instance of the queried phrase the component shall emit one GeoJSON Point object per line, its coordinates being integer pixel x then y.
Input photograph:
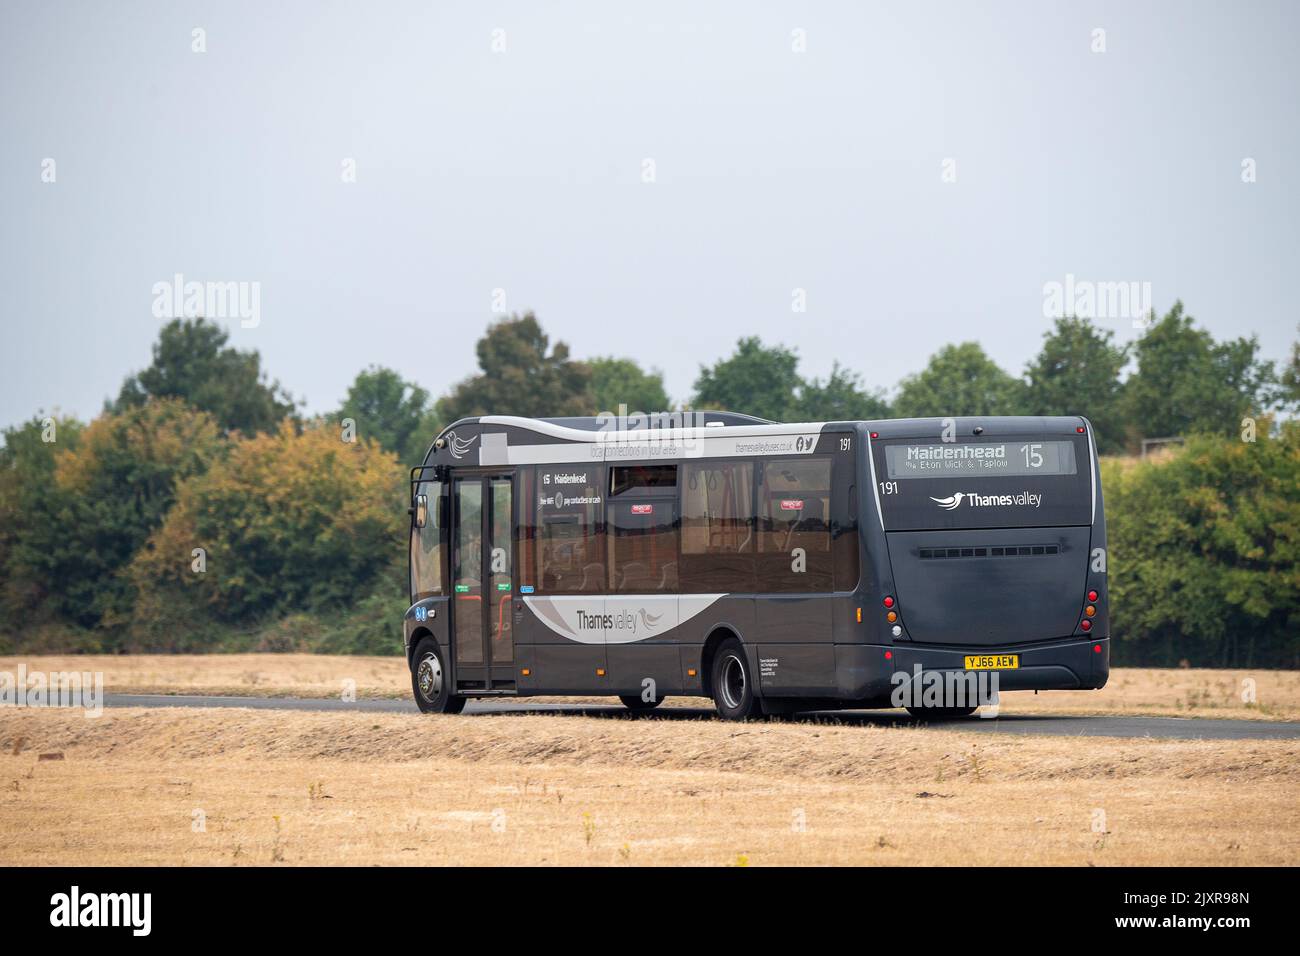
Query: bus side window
{"type": "Point", "coordinates": [426, 546]}
{"type": "Point", "coordinates": [844, 529]}
{"type": "Point", "coordinates": [794, 525]}
{"type": "Point", "coordinates": [561, 539]}
{"type": "Point", "coordinates": [718, 527]}
{"type": "Point", "coordinates": [643, 529]}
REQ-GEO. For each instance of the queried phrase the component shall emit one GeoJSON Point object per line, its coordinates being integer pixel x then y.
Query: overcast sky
{"type": "Point", "coordinates": [794, 146]}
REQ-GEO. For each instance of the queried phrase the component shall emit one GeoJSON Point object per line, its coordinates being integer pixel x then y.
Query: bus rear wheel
{"type": "Point", "coordinates": [940, 713]}
{"type": "Point", "coordinates": [432, 683]}
{"type": "Point", "coordinates": [733, 684]}
{"type": "Point", "coordinates": [635, 704]}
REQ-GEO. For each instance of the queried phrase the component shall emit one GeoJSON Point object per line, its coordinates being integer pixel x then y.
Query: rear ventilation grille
{"type": "Point", "coordinates": [992, 551]}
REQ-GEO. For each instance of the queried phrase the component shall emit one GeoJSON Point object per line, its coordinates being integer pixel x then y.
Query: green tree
{"type": "Point", "coordinates": [1290, 380]}
{"type": "Point", "coordinates": [291, 522]}
{"type": "Point", "coordinates": [192, 362]}
{"type": "Point", "coordinates": [621, 381]}
{"type": "Point", "coordinates": [33, 516]}
{"type": "Point", "coordinates": [1077, 372]}
{"type": "Point", "coordinates": [959, 380]}
{"type": "Point", "coordinates": [390, 410]}
{"type": "Point", "coordinates": [754, 380]}
{"type": "Point", "coordinates": [841, 398]}
{"type": "Point", "coordinates": [1186, 382]}
{"type": "Point", "coordinates": [116, 486]}
{"type": "Point", "coordinates": [1204, 547]}
{"type": "Point", "coordinates": [521, 374]}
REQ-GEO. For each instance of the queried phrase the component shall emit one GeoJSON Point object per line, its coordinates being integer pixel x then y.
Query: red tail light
{"type": "Point", "coordinates": [1086, 624]}
{"type": "Point", "coordinates": [1096, 648]}
{"type": "Point", "coordinates": [889, 601]}
{"type": "Point", "coordinates": [1092, 595]}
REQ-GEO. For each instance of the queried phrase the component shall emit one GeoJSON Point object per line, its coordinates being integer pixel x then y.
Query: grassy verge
{"type": "Point", "coordinates": [249, 787]}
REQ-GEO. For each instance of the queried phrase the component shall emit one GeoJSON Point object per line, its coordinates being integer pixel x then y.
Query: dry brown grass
{"type": "Point", "coordinates": [1131, 691]}
{"type": "Point", "coordinates": [315, 788]}
{"type": "Point", "coordinates": [239, 675]}
{"type": "Point", "coordinates": [1173, 692]}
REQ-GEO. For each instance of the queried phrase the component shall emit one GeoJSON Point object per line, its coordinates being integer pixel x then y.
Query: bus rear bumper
{"type": "Point", "coordinates": [867, 672]}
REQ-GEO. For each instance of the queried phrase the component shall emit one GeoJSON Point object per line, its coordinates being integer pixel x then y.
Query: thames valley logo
{"type": "Point", "coordinates": [637, 621]}
{"type": "Point", "coordinates": [1026, 499]}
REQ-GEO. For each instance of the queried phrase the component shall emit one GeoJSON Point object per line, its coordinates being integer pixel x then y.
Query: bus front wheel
{"type": "Point", "coordinates": [431, 681]}
{"type": "Point", "coordinates": [733, 684]}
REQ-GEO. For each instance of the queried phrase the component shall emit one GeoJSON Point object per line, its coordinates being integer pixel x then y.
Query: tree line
{"type": "Point", "coordinates": [1175, 380]}
{"type": "Point", "coordinates": [203, 510]}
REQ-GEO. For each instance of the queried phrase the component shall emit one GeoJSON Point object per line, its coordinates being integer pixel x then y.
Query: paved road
{"type": "Point", "coordinates": [1171, 727]}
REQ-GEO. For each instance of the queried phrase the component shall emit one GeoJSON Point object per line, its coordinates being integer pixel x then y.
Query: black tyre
{"type": "Point", "coordinates": [431, 682]}
{"type": "Point", "coordinates": [637, 705]}
{"type": "Point", "coordinates": [733, 684]}
{"type": "Point", "coordinates": [941, 713]}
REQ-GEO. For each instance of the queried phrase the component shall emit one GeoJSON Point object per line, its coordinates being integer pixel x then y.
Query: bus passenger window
{"type": "Point", "coordinates": [562, 543]}
{"type": "Point", "coordinates": [643, 529]}
{"type": "Point", "coordinates": [718, 527]}
{"type": "Point", "coordinates": [794, 525]}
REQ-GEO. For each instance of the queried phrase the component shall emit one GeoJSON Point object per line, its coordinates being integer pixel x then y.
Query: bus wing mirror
{"type": "Point", "coordinates": [421, 510]}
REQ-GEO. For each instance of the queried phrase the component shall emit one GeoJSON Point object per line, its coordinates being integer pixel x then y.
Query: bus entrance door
{"type": "Point", "coordinates": [482, 584]}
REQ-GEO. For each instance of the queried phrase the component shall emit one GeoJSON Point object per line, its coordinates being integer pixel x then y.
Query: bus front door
{"type": "Point", "coordinates": [482, 583]}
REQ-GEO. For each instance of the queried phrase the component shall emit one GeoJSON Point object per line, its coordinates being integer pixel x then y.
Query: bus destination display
{"type": "Point", "coordinates": [981, 459]}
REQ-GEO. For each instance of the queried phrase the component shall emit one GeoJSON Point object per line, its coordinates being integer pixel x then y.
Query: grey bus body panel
{"type": "Point", "coordinates": [990, 588]}
{"type": "Point", "coordinates": [1059, 665]}
{"type": "Point", "coordinates": [994, 574]}
{"type": "Point", "coordinates": [426, 617]}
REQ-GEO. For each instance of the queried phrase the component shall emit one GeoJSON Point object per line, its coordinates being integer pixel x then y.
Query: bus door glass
{"type": "Point", "coordinates": [499, 572]}
{"type": "Point", "coordinates": [467, 570]}
{"type": "Point", "coordinates": [482, 579]}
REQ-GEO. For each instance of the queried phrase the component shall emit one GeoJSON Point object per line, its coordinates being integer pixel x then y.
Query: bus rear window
{"type": "Point", "coordinates": [1014, 482]}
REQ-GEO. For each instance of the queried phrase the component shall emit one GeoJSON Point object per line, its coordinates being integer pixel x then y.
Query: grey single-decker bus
{"type": "Point", "coordinates": [772, 567]}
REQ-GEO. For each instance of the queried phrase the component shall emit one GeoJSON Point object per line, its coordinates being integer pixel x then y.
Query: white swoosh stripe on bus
{"type": "Point", "coordinates": [560, 614]}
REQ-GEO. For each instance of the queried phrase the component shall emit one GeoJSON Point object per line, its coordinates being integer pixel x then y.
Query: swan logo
{"type": "Point", "coordinates": [648, 621]}
{"type": "Point", "coordinates": [459, 446]}
{"type": "Point", "coordinates": [951, 502]}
